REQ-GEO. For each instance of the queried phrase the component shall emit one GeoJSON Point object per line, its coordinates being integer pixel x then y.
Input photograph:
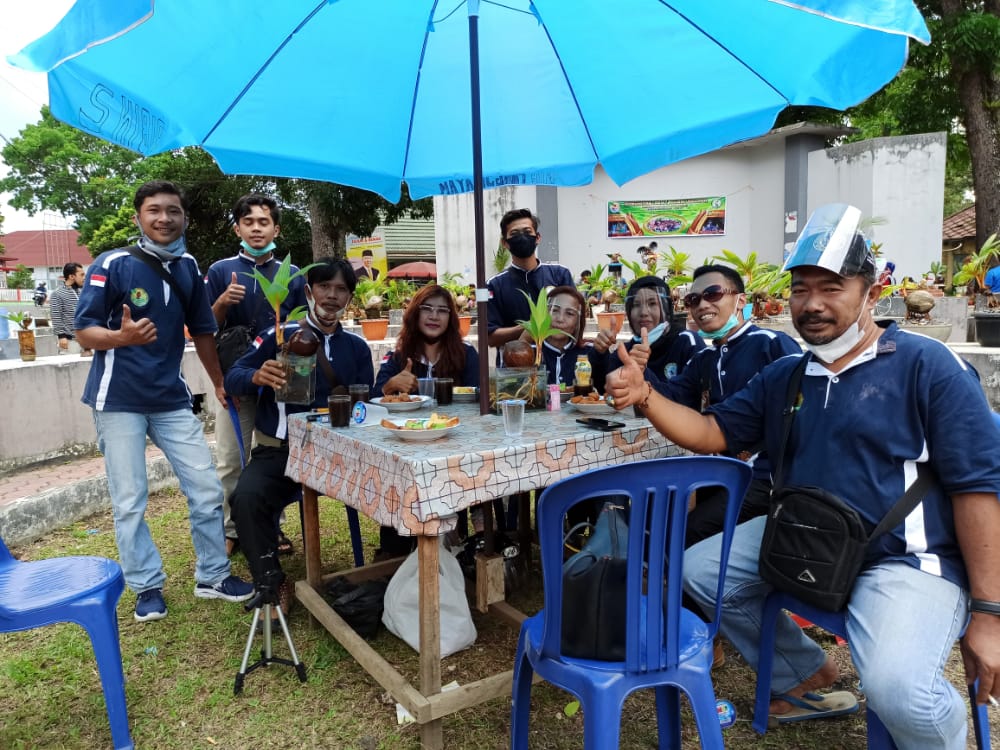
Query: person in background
{"type": "Point", "coordinates": [925, 581]}
{"type": "Point", "coordinates": [343, 359]}
{"type": "Point", "coordinates": [666, 348]}
{"type": "Point", "coordinates": [134, 321]}
{"type": "Point", "coordinates": [62, 307]}
{"type": "Point", "coordinates": [507, 305]}
{"type": "Point", "coordinates": [239, 305]}
{"type": "Point", "coordinates": [992, 279]}
{"type": "Point", "coordinates": [429, 345]}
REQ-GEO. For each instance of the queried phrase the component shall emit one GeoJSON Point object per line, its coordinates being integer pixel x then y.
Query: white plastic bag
{"type": "Point", "coordinates": [402, 604]}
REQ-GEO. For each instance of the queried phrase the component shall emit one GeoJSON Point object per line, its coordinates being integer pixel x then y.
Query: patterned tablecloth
{"type": "Point", "coordinates": [418, 487]}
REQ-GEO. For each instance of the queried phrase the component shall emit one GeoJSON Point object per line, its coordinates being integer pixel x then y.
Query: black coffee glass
{"type": "Point", "coordinates": [340, 410]}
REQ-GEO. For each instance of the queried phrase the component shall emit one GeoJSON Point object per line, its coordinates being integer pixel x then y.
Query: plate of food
{"type": "Point", "coordinates": [401, 401]}
{"type": "Point", "coordinates": [465, 394]}
{"type": "Point", "coordinates": [430, 428]}
{"type": "Point", "coordinates": [592, 404]}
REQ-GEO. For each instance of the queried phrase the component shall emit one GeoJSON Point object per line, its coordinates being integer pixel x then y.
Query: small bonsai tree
{"type": "Point", "coordinates": [276, 292]}
{"type": "Point", "coordinates": [976, 266]}
{"type": "Point", "coordinates": [23, 319]}
{"type": "Point", "coordinates": [370, 295]}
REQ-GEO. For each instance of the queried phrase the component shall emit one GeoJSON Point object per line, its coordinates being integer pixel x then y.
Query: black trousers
{"type": "Point", "coordinates": [261, 493]}
{"type": "Point", "coordinates": [707, 516]}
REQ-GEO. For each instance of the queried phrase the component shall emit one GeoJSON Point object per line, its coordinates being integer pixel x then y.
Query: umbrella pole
{"type": "Point", "coordinates": [482, 295]}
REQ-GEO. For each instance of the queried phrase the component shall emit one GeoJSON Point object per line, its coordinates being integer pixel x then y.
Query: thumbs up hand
{"type": "Point", "coordinates": [235, 292]}
{"type": "Point", "coordinates": [402, 382]}
{"type": "Point", "coordinates": [136, 332]}
{"type": "Point", "coordinates": [641, 351]}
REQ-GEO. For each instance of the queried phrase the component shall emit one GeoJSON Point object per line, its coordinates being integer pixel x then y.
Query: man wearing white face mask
{"type": "Point", "coordinates": [343, 359]}
{"type": "Point", "coordinates": [241, 311]}
{"type": "Point", "coordinates": [132, 311]}
{"type": "Point", "coordinates": [875, 403]}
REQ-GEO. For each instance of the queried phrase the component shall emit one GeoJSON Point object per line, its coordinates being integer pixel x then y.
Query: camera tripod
{"type": "Point", "coordinates": [263, 605]}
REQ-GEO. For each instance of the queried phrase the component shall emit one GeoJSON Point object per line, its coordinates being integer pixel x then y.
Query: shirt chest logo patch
{"type": "Point", "coordinates": [139, 297]}
{"type": "Point", "coordinates": [670, 370]}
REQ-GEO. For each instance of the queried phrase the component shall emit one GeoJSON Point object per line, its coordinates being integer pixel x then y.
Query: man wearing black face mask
{"type": "Point", "coordinates": [519, 234]}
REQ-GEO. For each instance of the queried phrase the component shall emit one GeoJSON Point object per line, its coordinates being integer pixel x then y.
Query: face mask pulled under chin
{"type": "Point", "coordinates": [255, 252]}
{"type": "Point", "coordinates": [522, 246]}
{"type": "Point", "coordinates": [327, 314]}
{"type": "Point", "coordinates": [831, 351]}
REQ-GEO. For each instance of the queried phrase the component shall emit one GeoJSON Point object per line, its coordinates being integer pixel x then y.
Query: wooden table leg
{"type": "Point", "coordinates": [431, 737]}
{"type": "Point", "coordinates": [310, 536]}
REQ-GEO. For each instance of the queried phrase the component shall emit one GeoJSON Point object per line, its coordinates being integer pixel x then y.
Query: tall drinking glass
{"type": "Point", "coordinates": [513, 416]}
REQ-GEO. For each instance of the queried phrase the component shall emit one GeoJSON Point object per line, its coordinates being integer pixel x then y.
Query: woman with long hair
{"type": "Point", "coordinates": [429, 345]}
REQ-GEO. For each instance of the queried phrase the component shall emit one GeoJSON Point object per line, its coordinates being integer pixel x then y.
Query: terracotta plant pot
{"type": "Point", "coordinates": [464, 324]}
{"type": "Point", "coordinates": [26, 343]}
{"type": "Point", "coordinates": [375, 329]}
{"type": "Point", "coordinates": [611, 320]}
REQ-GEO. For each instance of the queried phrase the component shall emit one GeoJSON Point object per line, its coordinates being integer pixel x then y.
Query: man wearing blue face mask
{"type": "Point", "coordinates": [241, 312]}
{"type": "Point", "coordinates": [716, 302]}
{"type": "Point", "coordinates": [132, 311]}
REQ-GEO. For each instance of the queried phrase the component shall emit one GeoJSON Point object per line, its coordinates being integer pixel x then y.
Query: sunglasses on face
{"type": "Point", "coordinates": [710, 294]}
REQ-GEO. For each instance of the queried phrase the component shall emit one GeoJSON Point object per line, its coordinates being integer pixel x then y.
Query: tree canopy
{"type": "Point", "coordinates": [58, 168]}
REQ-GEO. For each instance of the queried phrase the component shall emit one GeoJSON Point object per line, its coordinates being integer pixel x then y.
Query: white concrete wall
{"type": "Point", "coordinates": [43, 416]}
{"type": "Point", "coordinates": [899, 179]}
{"type": "Point", "coordinates": [751, 179]}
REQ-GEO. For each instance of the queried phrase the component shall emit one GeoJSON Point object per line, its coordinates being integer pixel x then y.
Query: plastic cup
{"type": "Point", "coordinates": [425, 387]}
{"type": "Point", "coordinates": [340, 410]}
{"type": "Point", "coordinates": [443, 390]}
{"type": "Point", "coordinates": [513, 416]}
{"type": "Point", "coordinates": [358, 392]}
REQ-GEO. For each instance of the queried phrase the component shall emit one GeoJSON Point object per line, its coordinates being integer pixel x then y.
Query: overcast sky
{"type": "Point", "coordinates": [22, 94]}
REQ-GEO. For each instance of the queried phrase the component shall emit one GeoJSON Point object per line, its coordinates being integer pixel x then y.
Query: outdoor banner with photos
{"type": "Point", "coordinates": [677, 217]}
{"type": "Point", "coordinates": [375, 244]}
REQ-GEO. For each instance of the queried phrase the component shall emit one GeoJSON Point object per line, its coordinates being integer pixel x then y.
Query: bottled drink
{"type": "Point", "coordinates": [583, 371]}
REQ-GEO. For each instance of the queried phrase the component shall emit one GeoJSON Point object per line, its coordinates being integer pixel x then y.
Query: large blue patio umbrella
{"type": "Point", "coordinates": [371, 93]}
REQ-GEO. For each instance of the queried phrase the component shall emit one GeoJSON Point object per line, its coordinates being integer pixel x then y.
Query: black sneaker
{"type": "Point", "coordinates": [149, 605]}
{"type": "Point", "coordinates": [230, 588]}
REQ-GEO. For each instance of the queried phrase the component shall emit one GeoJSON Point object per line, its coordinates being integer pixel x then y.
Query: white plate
{"type": "Point", "coordinates": [599, 408]}
{"type": "Point", "coordinates": [394, 406]}
{"type": "Point", "coordinates": [465, 398]}
{"type": "Point", "coordinates": [418, 436]}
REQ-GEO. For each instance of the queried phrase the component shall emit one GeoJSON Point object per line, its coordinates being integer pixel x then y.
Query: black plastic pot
{"type": "Point", "coordinates": [988, 329]}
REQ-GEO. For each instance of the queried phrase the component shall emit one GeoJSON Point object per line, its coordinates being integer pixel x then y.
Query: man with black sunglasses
{"type": "Point", "coordinates": [716, 303]}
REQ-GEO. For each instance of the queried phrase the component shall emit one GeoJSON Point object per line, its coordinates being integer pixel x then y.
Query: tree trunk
{"type": "Point", "coordinates": [327, 234]}
{"type": "Point", "coordinates": [979, 91]}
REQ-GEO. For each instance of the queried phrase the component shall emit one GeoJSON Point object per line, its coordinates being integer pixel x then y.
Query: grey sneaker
{"type": "Point", "coordinates": [149, 605]}
{"type": "Point", "coordinates": [230, 588]}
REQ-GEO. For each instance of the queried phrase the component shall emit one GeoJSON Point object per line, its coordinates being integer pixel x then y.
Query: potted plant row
{"type": "Point", "coordinates": [25, 336]}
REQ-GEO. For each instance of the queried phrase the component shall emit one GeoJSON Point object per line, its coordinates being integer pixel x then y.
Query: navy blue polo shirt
{"type": "Point", "coordinates": [507, 305]}
{"type": "Point", "coordinates": [561, 363]}
{"type": "Point", "coordinates": [860, 434]}
{"type": "Point", "coordinates": [142, 379]}
{"type": "Point", "coordinates": [349, 356]}
{"type": "Point", "coordinates": [668, 356]}
{"type": "Point", "coordinates": [253, 310]}
{"type": "Point", "coordinates": [392, 365]}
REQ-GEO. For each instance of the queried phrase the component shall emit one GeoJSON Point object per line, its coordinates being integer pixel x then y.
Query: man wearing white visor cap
{"type": "Point", "coordinates": [874, 404]}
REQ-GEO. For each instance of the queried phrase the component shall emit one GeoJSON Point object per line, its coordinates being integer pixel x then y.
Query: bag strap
{"type": "Point", "coordinates": [791, 395]}
{"type": "Point", "coordinates": [327, 367]}
{"type": "Point", "coordinates": [902, 507]}
{"type": "Point", "coordinates": [162, 272]}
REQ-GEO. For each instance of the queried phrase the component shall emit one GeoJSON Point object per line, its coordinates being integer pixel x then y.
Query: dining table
{"type": "Point", "coordinates": [418, 488]}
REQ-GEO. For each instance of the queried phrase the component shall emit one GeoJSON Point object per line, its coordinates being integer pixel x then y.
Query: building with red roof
{"type": "Point", "coordinates": [44, 251]}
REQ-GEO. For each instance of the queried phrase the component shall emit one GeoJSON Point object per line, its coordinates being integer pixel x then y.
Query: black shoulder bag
{"type": "Point", "coordinates": [814, 544]}
{"type": "Point", "coordinates": [149, 260]}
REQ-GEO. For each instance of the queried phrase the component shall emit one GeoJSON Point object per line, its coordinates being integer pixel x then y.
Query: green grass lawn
{"type": "Point", "coordinates": [179, 672]}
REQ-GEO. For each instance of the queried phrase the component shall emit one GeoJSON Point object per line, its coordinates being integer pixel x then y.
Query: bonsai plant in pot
{"type": "Point", "coordinates": [369, 294]}
{"type": "Point", "coordinates": [986, 304]}
{"type": "Point", "coordinates": [25, 336]}
{"type": "Point", "coordinates": [523, 375]}
{"type": "Point", "coordinates": [459, 290]}
{"type": "Point", "coordinates": [298, 355]}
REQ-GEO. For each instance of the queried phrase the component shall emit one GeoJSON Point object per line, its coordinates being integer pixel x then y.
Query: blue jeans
{"type": "Point", "coordinates": [121, 436]}
{"type": "Point", "coordinates": [901, 626]}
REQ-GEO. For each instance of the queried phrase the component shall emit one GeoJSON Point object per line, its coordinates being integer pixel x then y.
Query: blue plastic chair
{"type": "Point", "coordinates": [357, 546]}
{"type": "Point", "coordinates": [836, 623]}
{"type": "Point", "coordinates": [82, 590]}
{"type": "Point", "coordinates": [667, 647]}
